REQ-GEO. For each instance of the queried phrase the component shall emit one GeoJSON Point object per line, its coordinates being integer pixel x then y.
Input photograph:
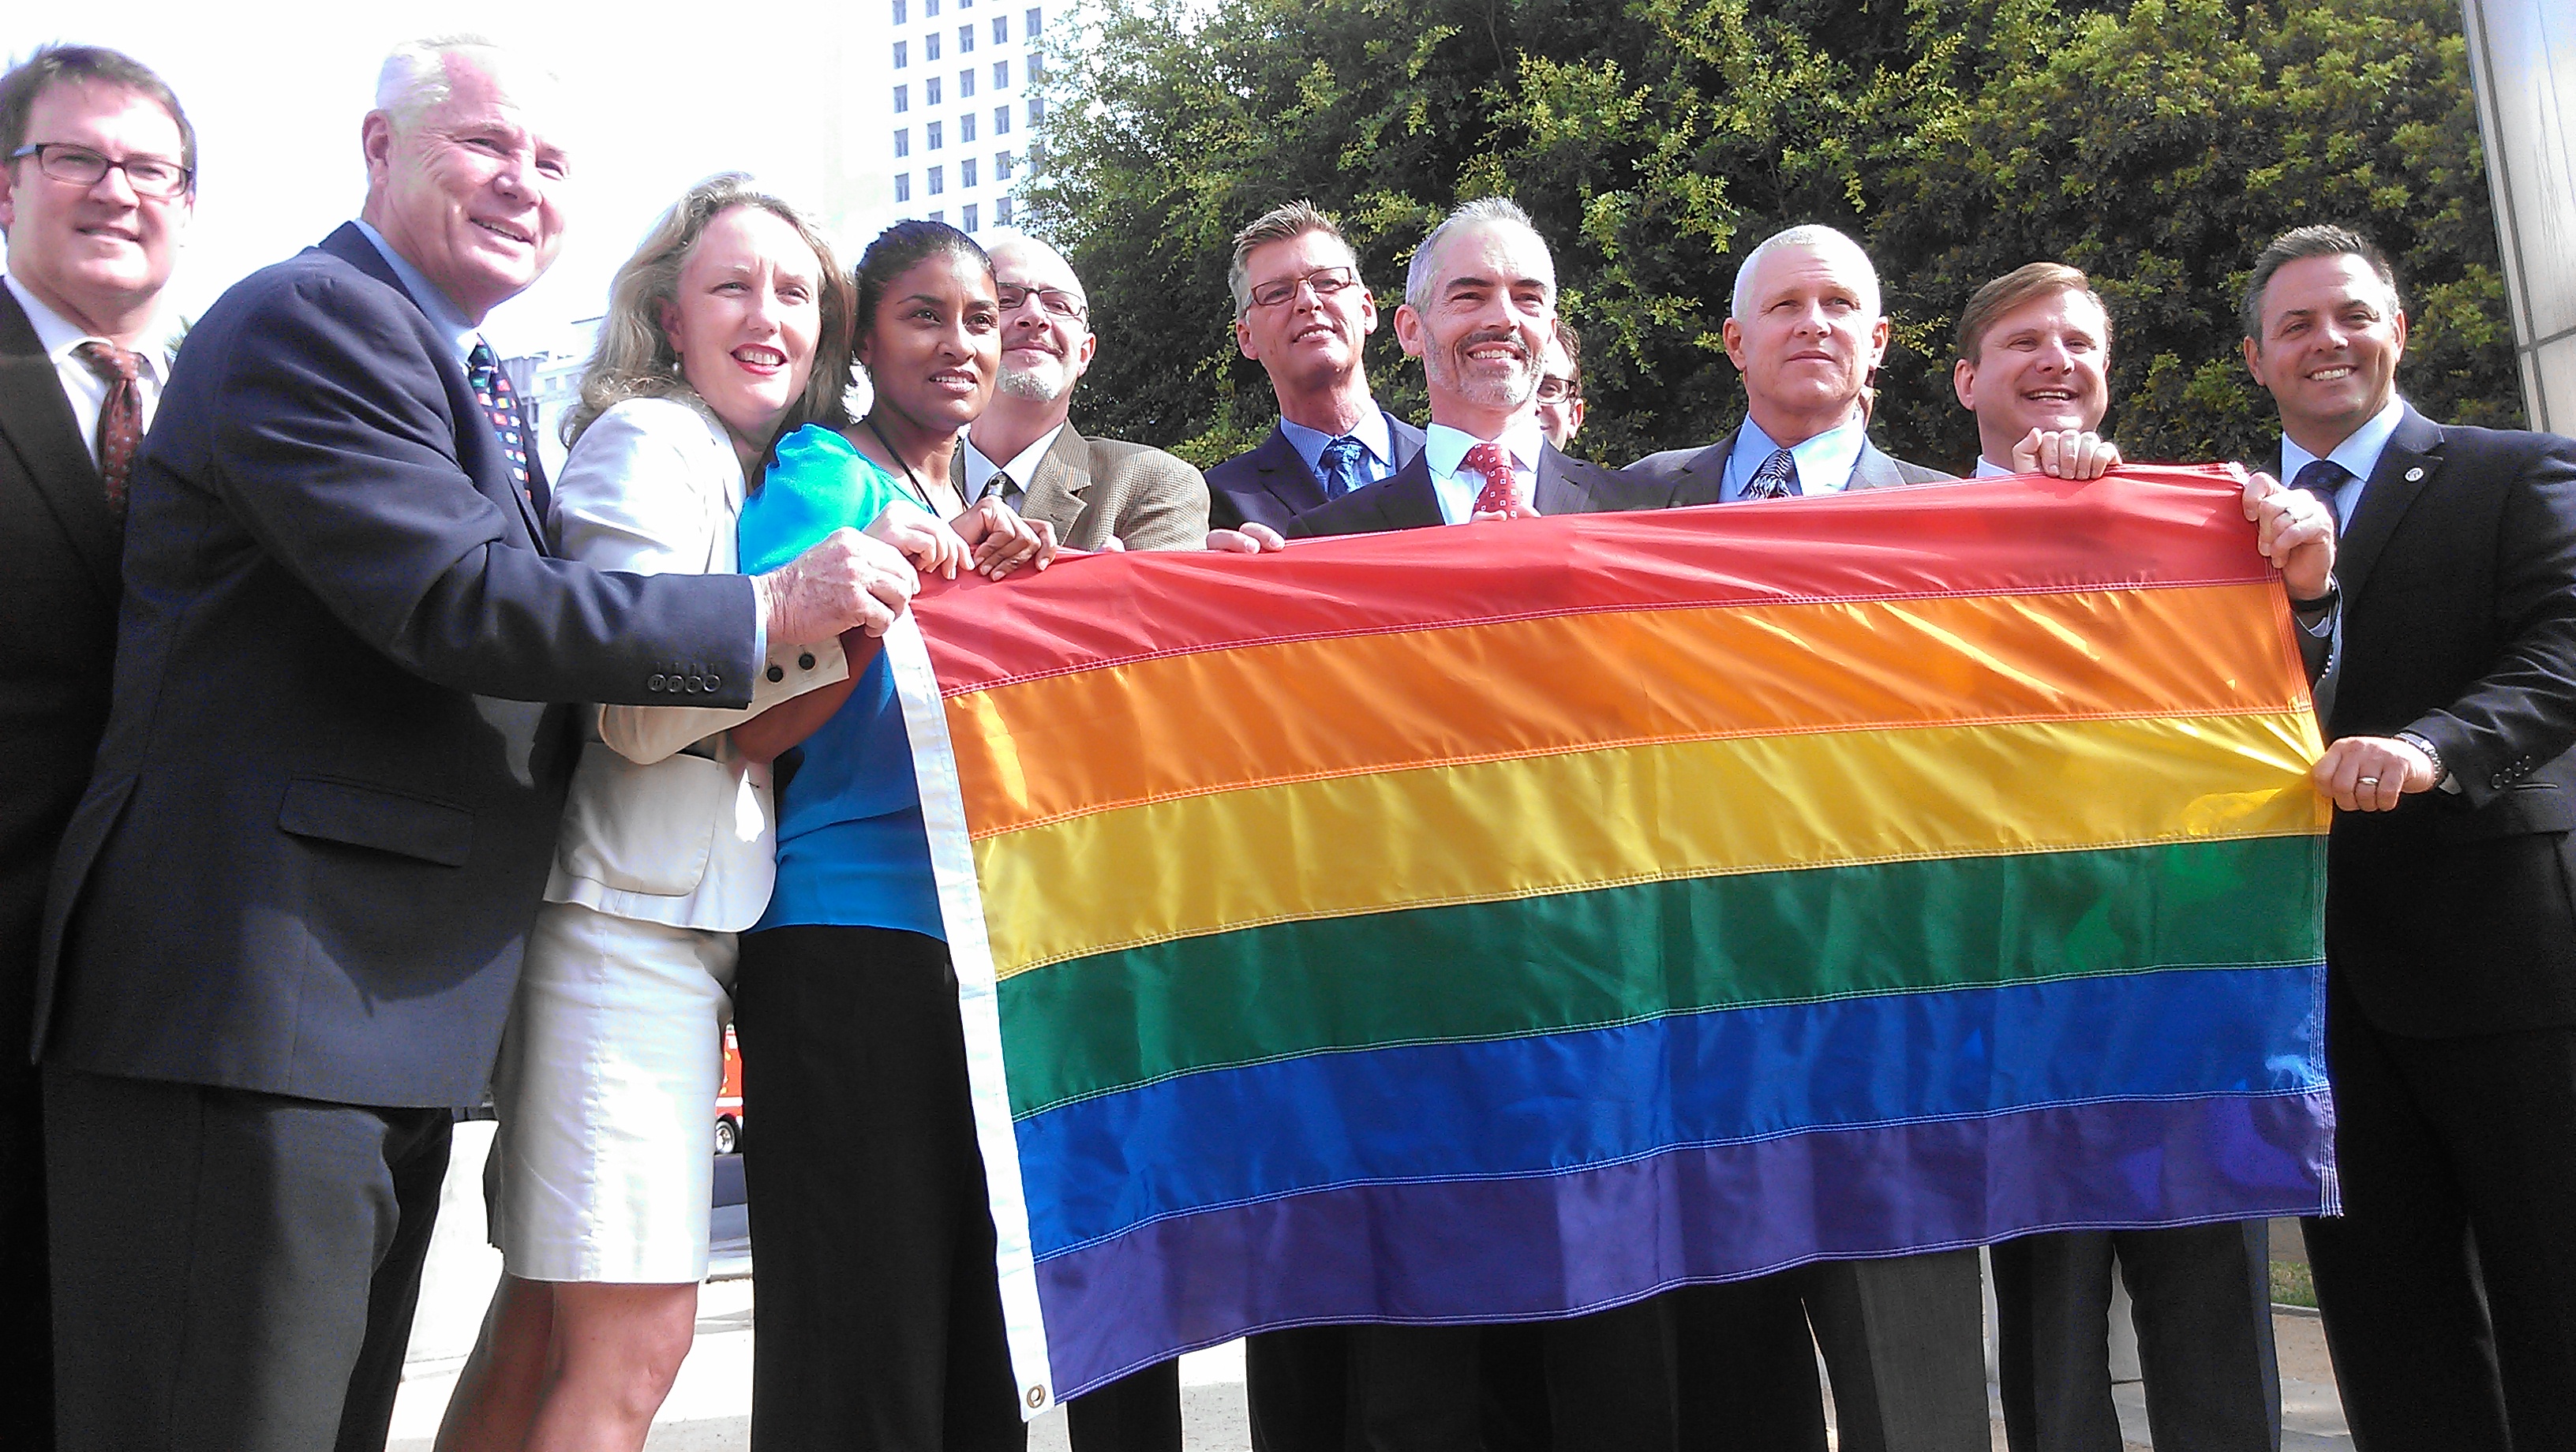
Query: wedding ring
{"type": "Point", "coordinates": [2370, 781]}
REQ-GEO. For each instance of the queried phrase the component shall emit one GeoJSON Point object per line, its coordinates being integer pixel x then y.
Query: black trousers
{"type": "Point", "coordinates": [1904, 1346]}
{"type": "Point", "coordinates": [2203, 1303]}
{"type": "Point", "coordinates": [1297, 1387]}
{"type": "Point", "coordinates": [2448, 1284]}
{"type": "Point", "coordinates": [1603, 1380]}
{"type": "Point", "coordinates": [879, 1319]}
{"type": "Point", "coordinates": [26, 1300]}
{"type": "Point", "coordinates": [232, 1271]}
{"type": "Point", "coordinates": [1139, 1412]}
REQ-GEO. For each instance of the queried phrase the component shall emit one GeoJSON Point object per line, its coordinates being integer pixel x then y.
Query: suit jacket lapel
{"type": "Point", "coordinates": [1407, 439]}
{"type": "Point", "coordinates": [2406, 468]}
{"type": "Point", "coordinates": [1874, 470]}
{"type": "Point", "coordinates": [352, 247]}
{"type": "Point", "coordinates": [1283, 472]}
{"type": "Point", "coordinates": [1554, 493]}
{"type": "Point", "coordinates": [38, 425]}
{"type": "Point", "coordinates": [1408, 500]}
{"type": "Point", "coordinates": [1055, 495]}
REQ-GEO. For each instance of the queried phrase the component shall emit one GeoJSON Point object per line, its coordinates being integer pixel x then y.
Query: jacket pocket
{"type": "Point", "coordinates": [647, 829]}
{"type": "Point", "coordinates": [365, 816]}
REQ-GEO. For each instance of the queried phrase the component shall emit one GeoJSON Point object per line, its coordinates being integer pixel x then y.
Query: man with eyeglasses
{"type": "Point", "coordinates": [1302, 313]}
{"type": "Point", "coordinates": [95, 191]}
{"type": "Point", "coordinates": [1560, 386]}
{"type": "Point", "coordinates": [1097, 494]}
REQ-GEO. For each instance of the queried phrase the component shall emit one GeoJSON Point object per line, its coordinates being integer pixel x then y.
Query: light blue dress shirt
{"type": "Point", "coordinates": [1825, 462]}
{"type": "Point", "coordinates": [442, 312]}
{"type": "Point", "coordinates": [1374, 433]}
{"type": "Point", "coordinates": [1445, 448]}
{"type": "Point", "coordinates": [2359, 453]}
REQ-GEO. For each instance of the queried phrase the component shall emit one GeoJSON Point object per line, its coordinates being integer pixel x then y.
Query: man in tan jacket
{"type": "Point", "coordinates": [1098, 493]}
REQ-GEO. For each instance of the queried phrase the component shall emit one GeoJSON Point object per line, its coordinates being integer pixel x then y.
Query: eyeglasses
{"type": "Point", "coordinates": [150, 176]}
{"type": "Point", "coordinates": [1326, 281]}
{"type": "Point", "coordinates": [1057, 302]}
{"type": "Point", "coordinates": [1552, 389]}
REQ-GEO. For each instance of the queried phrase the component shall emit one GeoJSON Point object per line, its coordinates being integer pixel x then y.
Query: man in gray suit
{"type": "Point", "coordinates": [1806, 332]}
{"type": "Point", "coordinates": [1098, 494]}
{"type": "Point", "coordinates": [1903, 1338]}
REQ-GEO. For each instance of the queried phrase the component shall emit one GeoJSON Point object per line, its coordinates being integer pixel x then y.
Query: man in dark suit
{"type": "Point", "coordinates": [2447, 1284]}
{"type": "Point", "coordinates": [93, 216]}
{"type": "Point", "coordinates": [1479, 309]}
{"type": "Point", "coordinates": [2034, 355]}
{"type": "Point", "coordinates": [1095, 494]}
{"type": "Point", "coordinates": [1903, 1338]}
{"type": "Point", "coordinates": [287, 918]}
{"type": "Point", "coordinates": [1302, 312]}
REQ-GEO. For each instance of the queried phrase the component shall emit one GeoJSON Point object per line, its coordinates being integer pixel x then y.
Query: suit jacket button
{"type": "Point", "coordinates": [805, 662]}
{"type": "Point", "coordinates": [655, 684]}
{"type": "Point", "coordinates": [714, 682]}
{"type": "Point", "coordinates": [776, 675]}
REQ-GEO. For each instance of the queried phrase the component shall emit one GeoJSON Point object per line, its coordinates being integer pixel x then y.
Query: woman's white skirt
{"type": "Point", "coordinates": [606, 1092]}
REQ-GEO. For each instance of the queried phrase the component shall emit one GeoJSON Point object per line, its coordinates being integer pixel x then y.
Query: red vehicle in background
{"type": "Point", "coordinates": [729, 1098]}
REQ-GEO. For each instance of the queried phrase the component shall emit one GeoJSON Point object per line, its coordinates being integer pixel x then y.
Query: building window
{"type": "Point", "coordinates": [903, 141]}
{"type": "Point", "coordinates": [933, 141]}
{"type": "Point", "coordinates": [1001, 211]}
{"type": "Point", "coordinates": [970, 216]}
{"type": "Point", "coordinates": [1037, 106]}
{"type": "Point", "coordinates": [1032, 68]}
{"type": "Point", "coordinates": [930, 94]}
{"type": "Point", "coordinates": [1001, 29]}
{"type": "Point", "coordinates": [900, 6]}
{"type": "Point", "coordinates": [930, 46]}
{"type": "Point", "coordinates": [1001, 74]}
{"type": "Point", "coordinates": [938, 181]}
{"type": "Point", "coordinates": [1030, 23]}
{"type": "Point", "coordinates": [965, 40]}
{"type": "Point", "coordinates": [966, 127]}
{"type": "Point", "coordinates": [965, 84]}
{"type": "Point", "coordinates": [903, 186]}
{"type": "Point", "coordinates": [929, 7]}
{"type": "Point", "coordinates": [902, 99]}
{"type": "Point", "coordinates": [966, 172]}
{"type": "Point", "coordinates": [1001, 166]}
{"type": "Point", "coordinates": [937, 215]}
{"type": "Point", "coordinates": [902, 54]}
{"type": "Point", "coordinates": [1001, 120]}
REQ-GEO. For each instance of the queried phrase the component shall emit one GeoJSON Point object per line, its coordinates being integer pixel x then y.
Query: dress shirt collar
{"type": "Point", "coordinates": [1825, 462]}
{"type": "Point", "coordinates": [443, 313]}
{"type": "Point", "coordinates": [1021, 469]}
{"type": "Point", "coordinates": [58, 336]}
{"type": "Point", "coordinates": [1373, 431]}
{"type": "Point", "coordinates": [1445, 448]}
{"type": "Point", "coordinates": [2358, 453]}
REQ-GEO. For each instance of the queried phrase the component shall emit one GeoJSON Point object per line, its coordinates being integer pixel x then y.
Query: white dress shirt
{"type": "Point", "coordinates": [1825, 462]}
{"type": "Point", "coordinates": [83, 385]}
{"type": "Point", "coordinates": [1444, 449]}
{"type": "Point", "coordinates": [979, 469]}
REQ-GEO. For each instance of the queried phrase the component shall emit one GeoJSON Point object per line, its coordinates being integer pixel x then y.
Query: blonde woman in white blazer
{"type": "Point", "coordinates": [728, 328]}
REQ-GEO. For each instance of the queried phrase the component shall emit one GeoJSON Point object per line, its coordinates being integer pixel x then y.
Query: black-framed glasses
{"type": "Point", "coordinates": [1325, 281]}
{"type": "Point", "coordinates": [1056, 301]}
{"type": "Point", "coordinates": [150, 176]}
{"type": "Point", "coordinates": [1552, 389]}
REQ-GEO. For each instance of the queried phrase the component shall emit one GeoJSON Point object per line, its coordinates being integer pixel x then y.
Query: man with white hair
{"type": "Point", "coordinates": [1096, 493]}
{"type": "Point", "coordinates": [1807, 334]}
{"type": "Point", "coordinates": [287, 919]}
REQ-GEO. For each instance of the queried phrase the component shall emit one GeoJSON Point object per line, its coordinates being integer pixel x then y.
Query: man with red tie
{"type": "Point", "coordinates": [97, 183]}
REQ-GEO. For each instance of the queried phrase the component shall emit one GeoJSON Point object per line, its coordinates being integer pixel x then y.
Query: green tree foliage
{"type": "Point", "coordinates": [2156, 144]}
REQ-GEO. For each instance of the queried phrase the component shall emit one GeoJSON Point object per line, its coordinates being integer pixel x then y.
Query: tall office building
{"type": "Point", "coordinates": [964, 106]}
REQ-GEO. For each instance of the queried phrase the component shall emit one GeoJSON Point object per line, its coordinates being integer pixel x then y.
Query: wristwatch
{"type": "Point", "coordinates": [2334, 592]}
{"type": "Point", "coordinates": [2431, 752]}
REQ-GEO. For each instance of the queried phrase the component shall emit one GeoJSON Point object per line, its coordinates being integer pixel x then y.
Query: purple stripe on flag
{"type": "Point", "coordinates": [1590, 1238]}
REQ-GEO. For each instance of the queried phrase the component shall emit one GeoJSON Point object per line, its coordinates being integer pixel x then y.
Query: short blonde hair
{"type": "Point", "coordinates": [633, 357]}
{"type": "Point", "coordinates": [1279, 224]}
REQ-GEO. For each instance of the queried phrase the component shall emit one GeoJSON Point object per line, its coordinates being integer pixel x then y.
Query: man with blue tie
{"type": "Point", "coordinates": [2447, 1286]}
{"type": "Point", "coordinates": [1302, 312]}
{"type": "Point", "coordinates": [1807, 334]}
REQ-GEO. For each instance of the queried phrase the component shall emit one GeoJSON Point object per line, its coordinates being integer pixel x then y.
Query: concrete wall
{"type": "Point", "coordinates": [2522, 57]}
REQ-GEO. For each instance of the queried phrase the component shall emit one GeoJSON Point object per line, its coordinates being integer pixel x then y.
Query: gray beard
{"type": "Point", "coordinates": [1033, 384]}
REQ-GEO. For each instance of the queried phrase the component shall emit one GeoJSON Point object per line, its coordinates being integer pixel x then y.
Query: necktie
{"type": "Point", "coordinates": [998, 486]}
{"type": "Point", "coordinates": [1776, 479]}
{"type": "Point", "coordinates": [500, 404]}
{"type": "Point", "coordinates": [2324, 478]}
{"type": "Point", "coordinates": [120, 417]}
{"type": "Point", "coordinates": [1502, 489]}
{"type": "Point", "coordinates": [1342, 466]}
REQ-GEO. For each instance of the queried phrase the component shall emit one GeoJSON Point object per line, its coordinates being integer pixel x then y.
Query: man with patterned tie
{"type": "Point", "coordinates": [286, 920]}
{"type": "Point", "coordinates": [97, 169]}
{"type": "Point", "coordinates": [1479, 309]}
{"type": "Point", "coordinates": [1302, 312]}
{"type": "Point", "coordinates": [1094, 493]}
{"type": "Point", "coordinates": [2447, 1285]}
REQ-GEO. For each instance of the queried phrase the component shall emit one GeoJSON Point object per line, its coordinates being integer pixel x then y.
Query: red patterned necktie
{"type": "Point", "coordinates": [120, 417]}
{"type": "Point", "coordinates": [501, 404]}
{"type": "Point", "coordinates": [1502, 488]}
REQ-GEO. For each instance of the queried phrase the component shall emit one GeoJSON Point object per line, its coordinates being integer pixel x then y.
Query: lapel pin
{"type": "Point", "coordinates": [2414, 474]}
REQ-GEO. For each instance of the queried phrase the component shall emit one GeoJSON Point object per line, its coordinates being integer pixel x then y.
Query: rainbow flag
{"type": "Point", "coordinates": [1519, 920]}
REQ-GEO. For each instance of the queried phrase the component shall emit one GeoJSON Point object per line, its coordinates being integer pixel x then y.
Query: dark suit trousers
{"type": "Point", "coordinates": [1904, 1344]}
{"type": "Point", "coordinates": [2449, 1282]}
{"type": "Point", "coordinates": [2204, 1318]}
{"type": "Point", "coordinates": [26, 1301]}
{"type": "Point", "coordinates": [879, 1315]}
{"type": "Point", "coordinates": [1297, 1384]}
{"type": "Point", "coordinates": [1139, 1412]}
{"type": "Point", "coordinates": [1602, 1380]}
{"type": "Point", "coordinates": [232, 1271]}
